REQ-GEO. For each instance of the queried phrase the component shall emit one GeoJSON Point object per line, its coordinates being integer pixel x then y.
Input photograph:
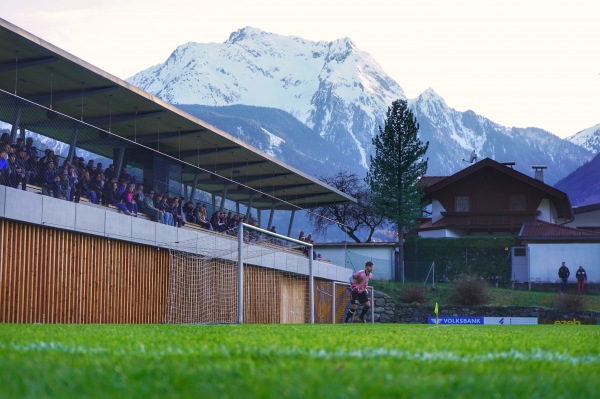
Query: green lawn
{"type": "Point", "coordinates": [299, 361]}
{"type": "Point", "coordinates": [496, 296]}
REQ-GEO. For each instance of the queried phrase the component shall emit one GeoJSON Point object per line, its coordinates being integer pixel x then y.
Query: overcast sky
{"type": "Point", "coordinates": [519, 63]}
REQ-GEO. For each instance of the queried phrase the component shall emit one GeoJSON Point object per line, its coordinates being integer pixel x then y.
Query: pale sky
{"type": "Point", "coordinates": [519, 63]}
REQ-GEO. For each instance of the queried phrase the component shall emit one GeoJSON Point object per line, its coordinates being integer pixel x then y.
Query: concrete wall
{"type": "Point", "coordinates": [30, 207]}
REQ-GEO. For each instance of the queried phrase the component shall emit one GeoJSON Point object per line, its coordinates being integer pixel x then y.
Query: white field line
{"type": "Point", "coordinates": [535, 355]}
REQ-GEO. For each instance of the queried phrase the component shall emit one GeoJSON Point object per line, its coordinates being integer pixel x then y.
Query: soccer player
{"type": "Point", "coordinates": [359, 281]}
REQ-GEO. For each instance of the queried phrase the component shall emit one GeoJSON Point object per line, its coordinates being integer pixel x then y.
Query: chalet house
{"type": "Point", "coordinates": [490, 198]}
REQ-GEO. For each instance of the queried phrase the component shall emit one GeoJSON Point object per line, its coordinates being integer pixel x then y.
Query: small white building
{"type": "Point", "coordinates": [546, 245]}
{"type": "Point", "coordinates": [354, 255]}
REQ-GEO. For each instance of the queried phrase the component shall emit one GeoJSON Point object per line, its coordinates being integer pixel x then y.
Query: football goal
{"type": "Point", "coordinates": [247, 275]}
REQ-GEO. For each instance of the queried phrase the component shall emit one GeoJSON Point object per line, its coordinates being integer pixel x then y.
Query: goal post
{"type": "Point", "coordinates": [267, 239]}
{"type": "Point", "coordinates": [247, 275]}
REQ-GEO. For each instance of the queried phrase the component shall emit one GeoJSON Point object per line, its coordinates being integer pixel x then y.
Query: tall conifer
{"type": "Point", "coordinates": [395, 169]}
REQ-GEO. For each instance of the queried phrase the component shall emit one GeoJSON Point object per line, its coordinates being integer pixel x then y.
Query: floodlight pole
{"type": "Point", "coordinates": [240, 273]}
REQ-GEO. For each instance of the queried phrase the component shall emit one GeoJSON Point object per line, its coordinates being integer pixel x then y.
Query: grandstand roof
{"type": "Point", "coordinates": [42, 73]}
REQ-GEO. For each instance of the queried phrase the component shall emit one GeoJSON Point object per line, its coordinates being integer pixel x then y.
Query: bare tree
{"type": "Point", "coordinates": [353, 218]}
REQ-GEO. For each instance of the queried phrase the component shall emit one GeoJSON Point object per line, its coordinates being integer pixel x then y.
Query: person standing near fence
{"type": "Point", "coordinates": [563, 274]}
{"type": "Point", "coordinates": [581, 277]}
{"type": "Point", "coordinates": [359, 291]}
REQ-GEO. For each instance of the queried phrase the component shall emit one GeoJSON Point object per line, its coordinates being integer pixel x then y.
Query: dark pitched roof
{"type": "Point", "coordinates": [544, 231]}
{"type": "Point", "coordinates": [427, 181]}
{"type": "Point", "coordinates": [563, 202]}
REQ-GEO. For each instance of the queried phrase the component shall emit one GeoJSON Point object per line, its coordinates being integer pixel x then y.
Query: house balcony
{"type": "Point", "coordinates": [492, 221]}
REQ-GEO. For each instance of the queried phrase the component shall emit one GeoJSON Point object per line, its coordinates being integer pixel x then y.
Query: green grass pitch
{"type": "Point", "coordinates": [299, 361]}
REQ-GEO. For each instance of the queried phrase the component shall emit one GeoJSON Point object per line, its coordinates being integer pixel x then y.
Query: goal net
{"type": "Point", "coordinates": [248, 275]}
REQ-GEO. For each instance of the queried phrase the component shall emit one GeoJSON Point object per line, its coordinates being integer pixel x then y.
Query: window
{"type": "Point", "coordinates": [517, 202]}
{"type": "Point", "coordinates": [519, 251]}
{"type": "Point", "coordinates": [462, 204]}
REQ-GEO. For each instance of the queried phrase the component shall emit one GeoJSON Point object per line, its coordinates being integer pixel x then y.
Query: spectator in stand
{"type": "Point", "coordinates": [255, 235]}
{"type": "Point", "coordinates": [77, 164]}
{"type": "Point", "coordinates": [33, 166]}
{"type": "Point", "coordinates": [178, 216]}
{"type": "Point", "coordinates": [65, 166]}
{"type": "Point", "coordinates": [57, 167]}
{"type": "Point", "coordinates": [233, 223]}
{"type": "Point", "coordinates": [166, 208]}
{"type": "Point", "coordinates": [90, 166]}
{"type": "Point", "coordinates": [158, 204]}
{"type": "Point", "coordinates": [201, 217]}
{"type": "Point", "coordinates": [149, 208]}
{"type": "Point", "coordinates": [125, 176]}
{"type": "Point", "coordinates": [84, 187]}
{"type": "Point", "coordinates": [4, 140]}
{"type": "Point", "coordinates": [29, 147]}
{"type": "Point", "coordinates": [74, 193]}
{"type": "Point", "coordinates": [188, 212]}
{"type": "Point", "coordinates": [229, 218]}
{"type": "Point", "coordinates": [129, 201]}
{"type": "Point", "coordinates": [19, 144]}
{"type": "Point", "coordinates": [48, 156]}
{"type": "Point", "coordinates": [204, 213]}
{"type": "Point", "coordinates": [21, 161]}
{"type": "Point", "coordinates": [97, 185]}
{"type": "Point", "coordinates": [301, 236]}
{"type": "Point", "coordinates": [113, 198]}
{"type": "Point", "coordinates": [215, 221]}
{"type": "Point", "coordinates": [3, 168]}
{"type": "Point", "coordinates": [63, 186]}
{"type": "Point", "coordinates": [16, 173]}
{"type": "Point", "coordinates": [99, 169]}
{"type": "Point", "coordinates": [139, 197]}
{"type": "Point", "coordinates": [122, 186]}
{"type": "Point", "coordinates": [110, 172]}
{"type": "Point", "coordinates": [49, 180]}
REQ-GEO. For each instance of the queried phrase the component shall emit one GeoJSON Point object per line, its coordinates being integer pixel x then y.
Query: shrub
{"type": "Point", "coordinates": [413, 294]}
{"type": "Point", "coordinates": [469, 293]}
{"type": "Point", "coordinates": [569, 301]}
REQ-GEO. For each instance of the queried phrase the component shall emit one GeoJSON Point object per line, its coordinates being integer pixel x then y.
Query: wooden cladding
{"type": "Point", "coordinates": [56, 276]}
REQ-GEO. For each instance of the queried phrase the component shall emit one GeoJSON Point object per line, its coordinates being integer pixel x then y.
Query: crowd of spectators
{"type": "Point", "coordinates": [20, 166]}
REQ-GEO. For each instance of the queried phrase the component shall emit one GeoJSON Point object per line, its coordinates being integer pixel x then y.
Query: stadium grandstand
{"type": "Point", "coordinates": [84, 261]}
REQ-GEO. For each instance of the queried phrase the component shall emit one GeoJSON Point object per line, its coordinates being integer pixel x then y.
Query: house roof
{"type": "Point", "coordinates": [586, 208]}
{"type": "Point", "coordinates": [427, 181]}
{"type": "Point", "coordinates": [435, 183]}
{"type": "Point", "coordinates": [544, 231]}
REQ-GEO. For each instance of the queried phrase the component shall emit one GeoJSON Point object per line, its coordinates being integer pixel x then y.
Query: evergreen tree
{"type": "Point", "coordinates": [395, 169]}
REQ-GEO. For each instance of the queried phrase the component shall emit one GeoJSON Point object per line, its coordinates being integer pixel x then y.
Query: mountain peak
{"type": "Point", "coordinates": [430, 95]}
{"type": "Point", "coordinates": [244, 33]}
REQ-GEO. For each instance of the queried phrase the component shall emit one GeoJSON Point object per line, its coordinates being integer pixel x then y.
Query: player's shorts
{"type": "Point", "coordinates": [359, 297]}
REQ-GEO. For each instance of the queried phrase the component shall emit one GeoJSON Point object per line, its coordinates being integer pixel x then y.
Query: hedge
{"type": "Point", "coordinates": [476, 257]}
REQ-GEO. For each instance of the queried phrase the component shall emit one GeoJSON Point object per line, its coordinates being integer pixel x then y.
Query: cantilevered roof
{"type": "Point", "coordinates": [44, 74]}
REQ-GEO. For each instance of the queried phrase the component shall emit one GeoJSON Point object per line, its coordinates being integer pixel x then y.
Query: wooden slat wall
{"type": "Point", "coordinates": [56, 276]}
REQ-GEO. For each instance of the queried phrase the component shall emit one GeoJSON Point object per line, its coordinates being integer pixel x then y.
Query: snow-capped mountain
{"type": "Point", "coordinates": [452, 135]}
{"type": "Point", "coordinates": [341, 94]}
{"type": "Point", "coordinates": [333, 87]}
{"type": "Point", "coordinates": [588, 138]}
